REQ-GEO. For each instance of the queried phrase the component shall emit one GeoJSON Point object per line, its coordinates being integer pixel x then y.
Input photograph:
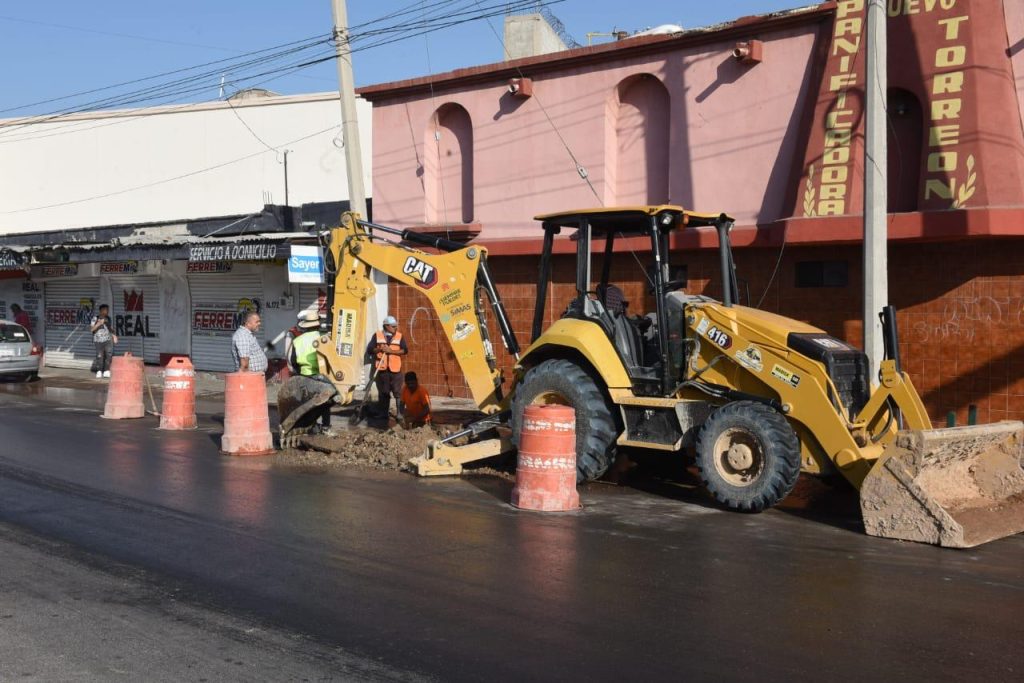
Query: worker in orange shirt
{"type": "Point", "coordinates": [415, 402]}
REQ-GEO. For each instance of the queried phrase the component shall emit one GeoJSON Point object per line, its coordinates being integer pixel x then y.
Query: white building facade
{"type": "Point", "coordinates": [179, 218]}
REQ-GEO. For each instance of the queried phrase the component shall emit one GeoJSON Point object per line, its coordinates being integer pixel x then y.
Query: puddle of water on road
{"type": "Point", "coordinates": [93, 398]}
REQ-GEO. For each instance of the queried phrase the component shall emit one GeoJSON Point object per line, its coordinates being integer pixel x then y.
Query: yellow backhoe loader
{"type": "Point", "coordinates": [757, 396]}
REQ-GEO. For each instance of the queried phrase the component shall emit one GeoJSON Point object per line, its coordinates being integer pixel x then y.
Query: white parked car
{"type": "Point", "coordinates": [19, 355]}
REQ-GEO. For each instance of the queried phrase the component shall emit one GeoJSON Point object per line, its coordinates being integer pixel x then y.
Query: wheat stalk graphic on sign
{"type": "Point", "coordinates": [967, 188]}
{"type": "Point", "coordinates": [809, 192]}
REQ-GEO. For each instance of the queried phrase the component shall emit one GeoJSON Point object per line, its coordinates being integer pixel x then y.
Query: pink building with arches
{"type": "Point", "coordinates": [646, 119]}
{"type": "Point", "coordinates": [760, 118]}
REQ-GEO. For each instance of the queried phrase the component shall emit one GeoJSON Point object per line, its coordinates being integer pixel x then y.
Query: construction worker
{"type": "Point", "coordinates": [415, 403]}
{"type": "Point", "coordinates": [302, 360]}
{"type": "Point", "coordinates": [387, 348]}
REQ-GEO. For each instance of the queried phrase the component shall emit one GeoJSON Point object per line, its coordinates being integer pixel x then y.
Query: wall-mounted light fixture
{"type": "Point", "coordinates": [749, 52]}
{"type": "Point", "coordinates": [520, 87]}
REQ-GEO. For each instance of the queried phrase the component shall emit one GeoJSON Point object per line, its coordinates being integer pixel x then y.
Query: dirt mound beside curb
{"type": "Point", "coordinates": [381, 450]}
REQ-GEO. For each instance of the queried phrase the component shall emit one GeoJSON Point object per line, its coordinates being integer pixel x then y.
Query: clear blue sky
{"type": "Point", "coordinates": [53, 48]}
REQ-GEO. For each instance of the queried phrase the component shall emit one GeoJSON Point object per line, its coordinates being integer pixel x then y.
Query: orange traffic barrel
{"type": "Point", "coordinates": [179, 406]}
{"type": "Point", "coordinates": [546, 468]}
{"type": "Point", "coordinates": [124, 395]}
{"type": "Point", "coordinates": [246, 415]}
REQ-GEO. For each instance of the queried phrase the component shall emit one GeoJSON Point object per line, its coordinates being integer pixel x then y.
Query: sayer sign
{"type": "Point", "coordinates": [305, 264]}
{"type": "Point", "coordinates": [422, 274]}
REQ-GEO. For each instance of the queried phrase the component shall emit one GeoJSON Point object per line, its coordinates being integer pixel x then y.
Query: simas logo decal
{"type": "Point", "coordinates": [720, 337]}
{"type": "Point", "coordinates": [423, 274]}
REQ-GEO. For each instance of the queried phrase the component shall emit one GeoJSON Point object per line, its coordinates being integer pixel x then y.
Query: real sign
{"type": "Point", "coordinates": [305, 264]}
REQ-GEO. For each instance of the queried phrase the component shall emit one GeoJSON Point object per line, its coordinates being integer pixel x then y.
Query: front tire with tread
{"type": "Point", "coordinates": [748, 456]}
{"type": "Point", "coordinates": [562, 381]}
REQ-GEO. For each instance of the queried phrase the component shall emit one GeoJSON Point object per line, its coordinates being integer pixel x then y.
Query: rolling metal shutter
{"type": "Point", "coordinates": [218, 302]}
{"type": "Point", "coordinates": [69, 305]}
{"type": "Point", "coordinates": [136, 315]}
{"type": "Point", "coordinates": [312, 297]}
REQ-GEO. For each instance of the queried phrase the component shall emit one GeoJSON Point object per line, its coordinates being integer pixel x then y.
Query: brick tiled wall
{"type": "Point", "coordinates": [961, 313]}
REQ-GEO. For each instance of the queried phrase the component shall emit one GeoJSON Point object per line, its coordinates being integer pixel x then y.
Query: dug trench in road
{"type": "Point", "coordinates": [442, 577]}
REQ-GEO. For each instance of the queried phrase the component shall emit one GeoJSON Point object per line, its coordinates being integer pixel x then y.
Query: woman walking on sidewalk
{"type": "Point", "coordinates": [104, 339]}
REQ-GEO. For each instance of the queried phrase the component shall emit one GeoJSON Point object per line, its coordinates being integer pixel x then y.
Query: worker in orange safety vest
{"type": "Point", "coordinates": [387, 348]}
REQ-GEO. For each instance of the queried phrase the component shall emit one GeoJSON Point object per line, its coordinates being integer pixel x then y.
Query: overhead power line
{"type": "Point", "coordinates": [82, 29]}
{"type": "Point", "coordinates": [272, 61]}
{"type": "Point", "coordinates": [190, 80]}
{"type": "Point", "coordinates": [221, 64]}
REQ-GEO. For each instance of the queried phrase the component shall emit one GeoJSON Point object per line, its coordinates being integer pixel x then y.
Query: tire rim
{"type": "Point", "coordinates": [739, 457]}
{"type": "Point", "coordinates": [549, 398]}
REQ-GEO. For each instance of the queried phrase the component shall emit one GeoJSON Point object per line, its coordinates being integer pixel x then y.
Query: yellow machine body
{"type": "Point", "coordinates": [954, 487]}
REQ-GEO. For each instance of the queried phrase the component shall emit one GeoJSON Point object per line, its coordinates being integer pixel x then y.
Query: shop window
{"type": "Point", "coordinates": [906, 131]}
{"type": "Point", "coordinates": [641, 141]}
{"type": "Point", "coordinates": [448, 166]}
{"type": "Point", "coordinates": [822, 274]}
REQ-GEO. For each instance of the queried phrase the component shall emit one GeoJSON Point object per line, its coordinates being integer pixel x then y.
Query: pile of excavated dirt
{"type": "Point", "coordinates": [369, 448]}
{"type": "Point", "coordinates": [381, 450]}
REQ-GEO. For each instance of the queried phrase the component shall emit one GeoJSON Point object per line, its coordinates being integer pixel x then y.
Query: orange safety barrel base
{"type": "Point", "coordinates": [124, 394]}
{"type": "Point", "coordinates": [546, 467]}
{"type": "Point", "coordinates": [179, 406]}
{"type": "Point", "coordinates": [246, 415]}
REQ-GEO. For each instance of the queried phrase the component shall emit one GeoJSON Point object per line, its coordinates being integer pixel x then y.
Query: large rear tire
{"type": "Point", "coordinates": [563, 382]}
{"type": "Point", "coordinates": [748, 456]}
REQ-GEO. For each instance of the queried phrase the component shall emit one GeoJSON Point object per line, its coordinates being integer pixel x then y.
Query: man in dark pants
{"type": "Point", "coordinates": [387, 348]}
{"type": "Point", "coordinates": [103, 338]}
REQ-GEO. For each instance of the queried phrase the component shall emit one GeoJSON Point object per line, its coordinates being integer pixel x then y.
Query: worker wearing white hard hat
{"type": "Point", "coordinates": [387, 349]}
{"type": "Point", "coordinates": [303, 360]}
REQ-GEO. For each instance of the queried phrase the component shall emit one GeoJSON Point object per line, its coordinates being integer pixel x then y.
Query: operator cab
{"type": "Point", "coordinates": [650, 346]}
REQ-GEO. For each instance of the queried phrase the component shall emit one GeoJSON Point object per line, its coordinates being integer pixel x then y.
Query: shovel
{"type": "Point", "coordinates": [357, 416]}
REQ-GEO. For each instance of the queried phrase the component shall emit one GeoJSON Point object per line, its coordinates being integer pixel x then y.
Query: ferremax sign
{"type": "Point", "coordinates": [10, 260]}
{"type": "Point", "coordinates": [255, 251]}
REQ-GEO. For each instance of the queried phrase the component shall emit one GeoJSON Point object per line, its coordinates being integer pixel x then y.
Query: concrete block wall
{"type": "Point", "coordinates": [960, 313]}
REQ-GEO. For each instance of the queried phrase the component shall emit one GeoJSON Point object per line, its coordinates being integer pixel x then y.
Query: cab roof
{"type": "Point", "coordinates": [629, 219]}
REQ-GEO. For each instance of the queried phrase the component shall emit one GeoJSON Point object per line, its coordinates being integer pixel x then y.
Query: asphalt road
{"type": "Point", "coordinates": [130, 552]}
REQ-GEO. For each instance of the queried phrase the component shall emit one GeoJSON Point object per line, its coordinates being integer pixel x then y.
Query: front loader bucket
{"type": "Point", "coordinates": [297, 402]}
{"type": "Point", "coordinates": [957, 487]}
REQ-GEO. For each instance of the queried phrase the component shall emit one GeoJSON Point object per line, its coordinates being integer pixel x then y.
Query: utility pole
{"type": "Point", "coordinates": [349, 119]}
{"type": "Point", "coordinates": [286, 177]}
{"type": "Point", "coordinates": [354, 156]}
{"type": "Point", "coordinates": [876, 268]}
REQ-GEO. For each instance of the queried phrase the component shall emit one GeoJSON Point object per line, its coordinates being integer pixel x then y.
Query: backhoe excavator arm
{"type": "Point", "coordinates": [449, 280]}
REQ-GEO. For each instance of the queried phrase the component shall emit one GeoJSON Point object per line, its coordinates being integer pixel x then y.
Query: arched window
{"type": "Point", "coordinates": [448, 166]}
{"type": "Point", "coordinates": [641, 141]}
{"type": "Point", "coordinates": [906, 131]}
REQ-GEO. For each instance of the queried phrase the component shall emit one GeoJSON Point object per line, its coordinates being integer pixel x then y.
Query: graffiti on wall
{"type": "Point", "coordinates": [969, 318]}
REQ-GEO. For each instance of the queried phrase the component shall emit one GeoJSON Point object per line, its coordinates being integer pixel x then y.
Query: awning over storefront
{"type": "Point", "coordinates": [236, 249]}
